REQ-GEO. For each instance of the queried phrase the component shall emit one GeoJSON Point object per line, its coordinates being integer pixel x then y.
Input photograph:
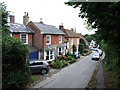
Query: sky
{"type": "Point", "coordinates": [52, 12]}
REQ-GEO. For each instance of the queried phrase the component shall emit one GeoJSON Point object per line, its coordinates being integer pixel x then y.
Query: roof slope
{"type": "Point", "coordinates": [19, 28]}
{"type": "Point", "coordinates": [48, 29]}
{"type": "Point", "coordinates": [70, 33]}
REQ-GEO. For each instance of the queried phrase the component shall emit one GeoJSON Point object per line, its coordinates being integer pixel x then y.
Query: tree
{"type": "Point", "coordinates": [106, 18]}
{"type": "Point", "coordinates": [74, 48]}
{"type": "Point", "coordinates": [15, 69]}
{"type": "Point", "coordinates": [81, 48]}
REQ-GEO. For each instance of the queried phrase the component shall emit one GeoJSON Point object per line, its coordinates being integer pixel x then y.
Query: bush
{"type": "Point", "coordinates": [57, 64]}
{"type": "Point", "coordinates": [85, 51]}
{"type": "Point", "coordinates": [15, 69]}
{"type": "Point", "coordinates": [74, 48]}
{"type": "Point", "coordinates": [62, 57]}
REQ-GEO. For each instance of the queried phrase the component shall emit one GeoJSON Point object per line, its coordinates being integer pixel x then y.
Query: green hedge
{"type": "Point", "coordinates": [15, 69]}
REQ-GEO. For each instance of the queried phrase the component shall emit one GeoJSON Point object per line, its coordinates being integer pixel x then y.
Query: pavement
{"type": "Point", "coordinates": [100, 76]}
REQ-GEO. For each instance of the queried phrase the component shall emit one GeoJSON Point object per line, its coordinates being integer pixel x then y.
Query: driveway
{"type": "Point", "coordinates": [76, 75]}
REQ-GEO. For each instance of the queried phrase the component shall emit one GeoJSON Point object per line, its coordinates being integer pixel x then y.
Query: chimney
{"type": "Point", "coordinates": [25, 18]}
{"type": "Point", "coordinates": [73, 29]}
{"type": "Point", "coordinates": [61, 27]}
{"type": "Point", "coordinates": [12, 19]}
{"type": "Point", "coordinates": [41, 21]}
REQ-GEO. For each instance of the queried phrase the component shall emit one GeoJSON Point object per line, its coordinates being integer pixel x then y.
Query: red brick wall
{"type": "Point", "coordinates": [37, 37]}
{"type": "Point", "coordinates": [54, 40]}
{"type": "Point", "coordinates": [16, 36]}
{"type": "Point", "coordinates": [30, 38]}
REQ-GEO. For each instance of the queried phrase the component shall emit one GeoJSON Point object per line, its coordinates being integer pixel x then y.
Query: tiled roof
{"type": "Point", "coordinates": [48, 29]}
{"type": "Point", "coordinates": [70, 33]}
{"type": "Point", "coordinates": [19, 28]}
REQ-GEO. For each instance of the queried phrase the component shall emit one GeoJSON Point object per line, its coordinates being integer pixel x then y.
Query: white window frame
{"type": "Point", "coordinates": [49, 41]}
{"type": "Point", "coordinates": [61, 51]}
{"type": "Point", "coordinates": [67, 44]}
{"type": "Point", "coordinates": [45, 54]}
{"type": "Point", "coordinates": [26, 38]}
{"type": "Point", "coordinates": [77, 41]}
{"type": "Point", "coordinates": [60, 38]}
{"type": "Point", "coordinates": [39, 54]}
{"type": "Point", "coordinates": [71, 41]}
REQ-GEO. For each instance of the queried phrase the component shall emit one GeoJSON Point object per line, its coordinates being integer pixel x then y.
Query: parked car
{"type": "Point", "coordinates": [96, 56]}
{"type": "Point", "coordinates": [100, 52]}
{"type": "Point", "coordinates": [77, 54]}
{"type": "Point", "coordinates": [39, 66]}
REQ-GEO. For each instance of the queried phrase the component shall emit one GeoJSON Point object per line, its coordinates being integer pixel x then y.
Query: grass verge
{"type": "Point", "coordinates": [93, 81]}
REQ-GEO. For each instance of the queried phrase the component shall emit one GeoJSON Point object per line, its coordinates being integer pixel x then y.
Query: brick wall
{"type": "Point", "coordinates": [16, 36]}
{"type": "Point", "coordinates": [54, 40]}
{"type": "Point", "coordinates": [37, 37]}
{"type": "Point", "coordinates": [30, 38]}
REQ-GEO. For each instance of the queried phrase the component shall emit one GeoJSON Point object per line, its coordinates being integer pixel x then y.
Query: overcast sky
{"type": "Point", "coordinates": [52, 12]}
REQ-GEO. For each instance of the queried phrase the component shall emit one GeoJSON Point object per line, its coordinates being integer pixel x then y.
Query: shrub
{"type": "Point", "coordinates": [85, 51]}
{"type": "Point", "coordinates": [15, 69]}
{"type": "Point", "coordinates": [74, 48]}
{"type": "Point", "coordinates": [61, 57]}
{"type": "Point", "coordinates": [57, 64]}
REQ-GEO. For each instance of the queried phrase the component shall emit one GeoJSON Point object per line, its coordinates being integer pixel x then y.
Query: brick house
{"type": "Point", "coordinates": [72, 38]}
{"type": "Point", "coordinates": [49, 39]}
{"type": "Point", "coordinates": [25, 34]}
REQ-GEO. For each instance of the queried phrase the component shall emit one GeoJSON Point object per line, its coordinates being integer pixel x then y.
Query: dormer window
{"type": "Point", "coordinates": [24, 38]}
{"type": "Point", "coordinates": [60, 38]}
{"type": "Point", "coordinates": [48, 39]}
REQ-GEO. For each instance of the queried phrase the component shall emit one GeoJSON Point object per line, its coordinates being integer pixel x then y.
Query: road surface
{"type": "Point", "coordinates": [76, 75]}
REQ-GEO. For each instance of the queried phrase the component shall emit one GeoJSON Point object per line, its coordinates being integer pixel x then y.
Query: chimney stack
{"type": "Point", "coordinates": [41, 21]}
{"type": "Point", "coordinates": [12, 19]}
{"type": "Point", "coordinates": [61, 27]}
{"type": "Point", "coordinates": [73, 29]}
{"type": "Point", "coordinates": [25, 18]}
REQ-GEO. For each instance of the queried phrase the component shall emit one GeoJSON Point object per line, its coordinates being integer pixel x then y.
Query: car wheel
{"type": "Point", "coordinates": [43, 71]}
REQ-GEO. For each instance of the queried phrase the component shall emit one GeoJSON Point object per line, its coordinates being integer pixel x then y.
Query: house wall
{"type": "Point", "coordinates": [30, 38]}
{"type": "Point", "coordinates": [16, 36]}
{"type": "Point", "coordinates": [37, 37]}
{"type": "Point", "coordinates": [54, 40]}
{"type": "Point", "coordinates": [72, 41]}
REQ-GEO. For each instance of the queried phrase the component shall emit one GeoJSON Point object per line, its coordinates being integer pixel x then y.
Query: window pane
{"type": "Point", "coordinates": [47, 52]}
{"type": "Point", "coordinates": [47, 39]}
{"type": "Point", "coordinates": [24, 38]}
{"type": "Point", "coordinates": [47, 57]}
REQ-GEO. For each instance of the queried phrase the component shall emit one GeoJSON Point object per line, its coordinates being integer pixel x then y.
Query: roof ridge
{"type": "Point", "coordinates": [44, 24]}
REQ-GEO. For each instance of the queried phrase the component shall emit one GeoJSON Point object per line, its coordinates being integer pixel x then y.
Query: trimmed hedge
{"type": "Point", "coordinates": [15, 69]}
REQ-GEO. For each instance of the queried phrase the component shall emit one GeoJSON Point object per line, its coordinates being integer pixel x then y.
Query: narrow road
{"type": "Point", "coordinates": [76, 75]}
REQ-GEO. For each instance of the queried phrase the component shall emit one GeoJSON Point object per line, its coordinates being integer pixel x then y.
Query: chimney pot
{"type": "Point", "coordinates": [41, 21]}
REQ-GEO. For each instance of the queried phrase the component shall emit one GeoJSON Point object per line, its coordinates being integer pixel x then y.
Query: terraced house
{"type": "Point", "coordinates": [49, 39]}
{"type": "Point", "coordinates": [44, 41]}
{"type": "Point", "coordinates": [25, 34]}
{"type": "Point", "coordinates": [72, 38]}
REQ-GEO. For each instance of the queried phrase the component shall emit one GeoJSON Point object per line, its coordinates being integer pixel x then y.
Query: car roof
{"type": "Point", "coordinates": [32, 61]}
